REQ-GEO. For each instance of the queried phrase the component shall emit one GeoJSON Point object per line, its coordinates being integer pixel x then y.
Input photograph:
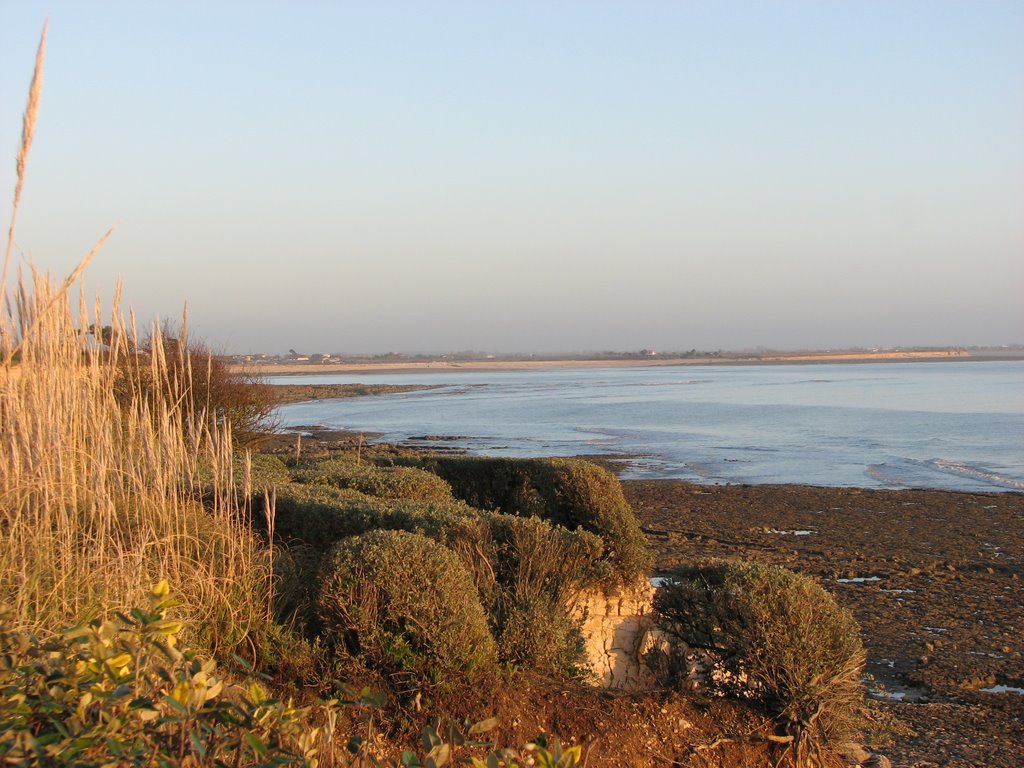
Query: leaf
{"type": "Point", "coordinates": [181, 692]}
{"type": "Point", "coordinates": [455, 736]}
{"type": "Point", "coordinates": [121, 660]}
{"type": "Point", "coordinates": [165, 627]}
{"type": "Point", "coordinates": [570, 757]}
{"type": "Point", "coordinates": [256, 744]}
{"type": "Point", "coordinates": [439, 756]}
{"type": "Point", "coordinates": [160, 589]}
{"type": "Point", "coordinates": [430, 738]}
{"type": "Point", "coordinates": [256, 692]}
{"type": "Point", "coordinates": [197, 744]}
{"type": "Point", "coordinates": [214, 690]}
{"type": "Point", "coordinates": [483, 726]}
{"type": "Point", "coordinates": [73, 633]}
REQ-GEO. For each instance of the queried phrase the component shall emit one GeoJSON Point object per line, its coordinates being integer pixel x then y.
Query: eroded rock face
{"type": "Point", "coordinates": [619, 630]}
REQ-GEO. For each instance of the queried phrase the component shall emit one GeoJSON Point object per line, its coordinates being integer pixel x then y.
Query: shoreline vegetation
{"type": "Point", "coordinates": [417, 364]}
{"type": "Point", "coordinates": [284, 394]}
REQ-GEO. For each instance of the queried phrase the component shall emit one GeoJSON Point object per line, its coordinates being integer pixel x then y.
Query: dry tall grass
{"type": "Point", "coordinates": [99, 498]}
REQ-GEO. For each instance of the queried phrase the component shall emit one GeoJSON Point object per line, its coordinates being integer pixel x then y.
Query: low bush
{"type": "Point", "coordinates": [404, 606]}
{"type": "Point", "coordinates": [539, 634]}
{"type": "Point", "coordinates": [382, 481]}
{"type": "Point", "coordinates": [319, 515]}
{"type": "Point", "coordinates": [251, 474]}
{"type": "Point", "coordinates": [260, 471]}
{"type": "Point", "coordinates": [570, 492]}
{"type": "Point", "coordinates": [778, 635]}
{"type": "Point", "coordinates": [529, 573]}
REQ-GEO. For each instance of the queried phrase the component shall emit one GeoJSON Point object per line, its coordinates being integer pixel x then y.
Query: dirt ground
{"type": "Point", "coordinates": [934, 578]}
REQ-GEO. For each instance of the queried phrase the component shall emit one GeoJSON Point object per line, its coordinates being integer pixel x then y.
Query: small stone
{"type": "Point", "coordinates": [877, 761]}
{"type": "Point", "coordinates": [853, 754]}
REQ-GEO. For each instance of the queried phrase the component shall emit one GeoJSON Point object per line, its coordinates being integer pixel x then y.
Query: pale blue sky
{"type": "Point", "coordinates": [533, 176]}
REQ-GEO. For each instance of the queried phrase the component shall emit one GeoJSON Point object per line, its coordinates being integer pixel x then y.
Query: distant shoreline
{"type": "Point", "coordinates": [449, 366]}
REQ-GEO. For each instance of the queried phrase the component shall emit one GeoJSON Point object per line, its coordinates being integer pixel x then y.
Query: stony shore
{"type": "Point", "coordinates": [934, 578]}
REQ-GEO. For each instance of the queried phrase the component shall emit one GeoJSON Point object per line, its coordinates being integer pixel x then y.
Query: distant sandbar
{"type": "Point", "coordinates": [448, 366]}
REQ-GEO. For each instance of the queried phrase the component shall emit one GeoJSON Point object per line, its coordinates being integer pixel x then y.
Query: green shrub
{"type": "Point", "coordinates": [319, 515]}
{"type": "Point", "coordinates": [251, 475]}
{"type": "Point", "coordinates": [569, 492]}
{"type": "Point", "coordinates": [528, 573]}
{"type": "Point", "coordinates": [539, 633]}
{"type": "Point", "coordinates": [381, 481]}
{"type": "Point", "coordinates": [405, 606]}
{"type": "Point", "coordinates": [263, 471]}
{"type": "Point", "coordinates": [780, 632]}
{"type": "Point", "coordinates": [119, 692]}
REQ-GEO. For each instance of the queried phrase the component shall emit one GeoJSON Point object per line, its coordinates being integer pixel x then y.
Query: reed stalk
{"type": "Point", "coordinates": [109, 484]}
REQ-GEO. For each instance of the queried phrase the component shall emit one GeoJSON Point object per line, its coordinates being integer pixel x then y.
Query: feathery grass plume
{"type": "Point", "coordinates": [100, 496]}
{"type": "Point", "coordinates": [28, 129]}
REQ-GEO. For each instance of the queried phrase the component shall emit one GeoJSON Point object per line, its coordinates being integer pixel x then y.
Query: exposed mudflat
{"type": "Point", "coordinates": [934, 578]}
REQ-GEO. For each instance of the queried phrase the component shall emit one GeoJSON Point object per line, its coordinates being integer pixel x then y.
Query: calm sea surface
{"type": "Point", "coordinates": [954, 425]}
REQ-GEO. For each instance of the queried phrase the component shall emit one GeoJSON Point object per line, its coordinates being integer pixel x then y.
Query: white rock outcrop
{"type": "Point", "coordinates": [619, 630]}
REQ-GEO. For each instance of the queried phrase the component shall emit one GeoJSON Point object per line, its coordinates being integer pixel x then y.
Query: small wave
{"type": "Point", "coordinates": [911, 473]}
{"type": "Point", "coordinates": [978, 473]}
{"type": "Point", "coordinates": [878, 473]}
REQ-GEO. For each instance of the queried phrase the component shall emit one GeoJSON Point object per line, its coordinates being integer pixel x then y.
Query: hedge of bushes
{"type": "Point", "coordinates": [382, 481]}
{"type": "Point", "coordinates": [569, 492]}
{"type": "Point", "coordinates": [527, 568]}
{"type": "Point", "coordinates": [319, 515]}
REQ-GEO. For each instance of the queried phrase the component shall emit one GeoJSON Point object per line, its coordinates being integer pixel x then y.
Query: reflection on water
{"type": "Point", "coordinates": [950, 425]}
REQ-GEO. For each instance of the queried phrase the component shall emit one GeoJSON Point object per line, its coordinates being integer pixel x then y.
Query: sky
{"type": "Point", "coordinates": [531, 176]}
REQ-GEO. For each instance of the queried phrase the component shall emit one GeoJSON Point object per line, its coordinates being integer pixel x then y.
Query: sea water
{"type": "Point", "coordinates": [951, 425]}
